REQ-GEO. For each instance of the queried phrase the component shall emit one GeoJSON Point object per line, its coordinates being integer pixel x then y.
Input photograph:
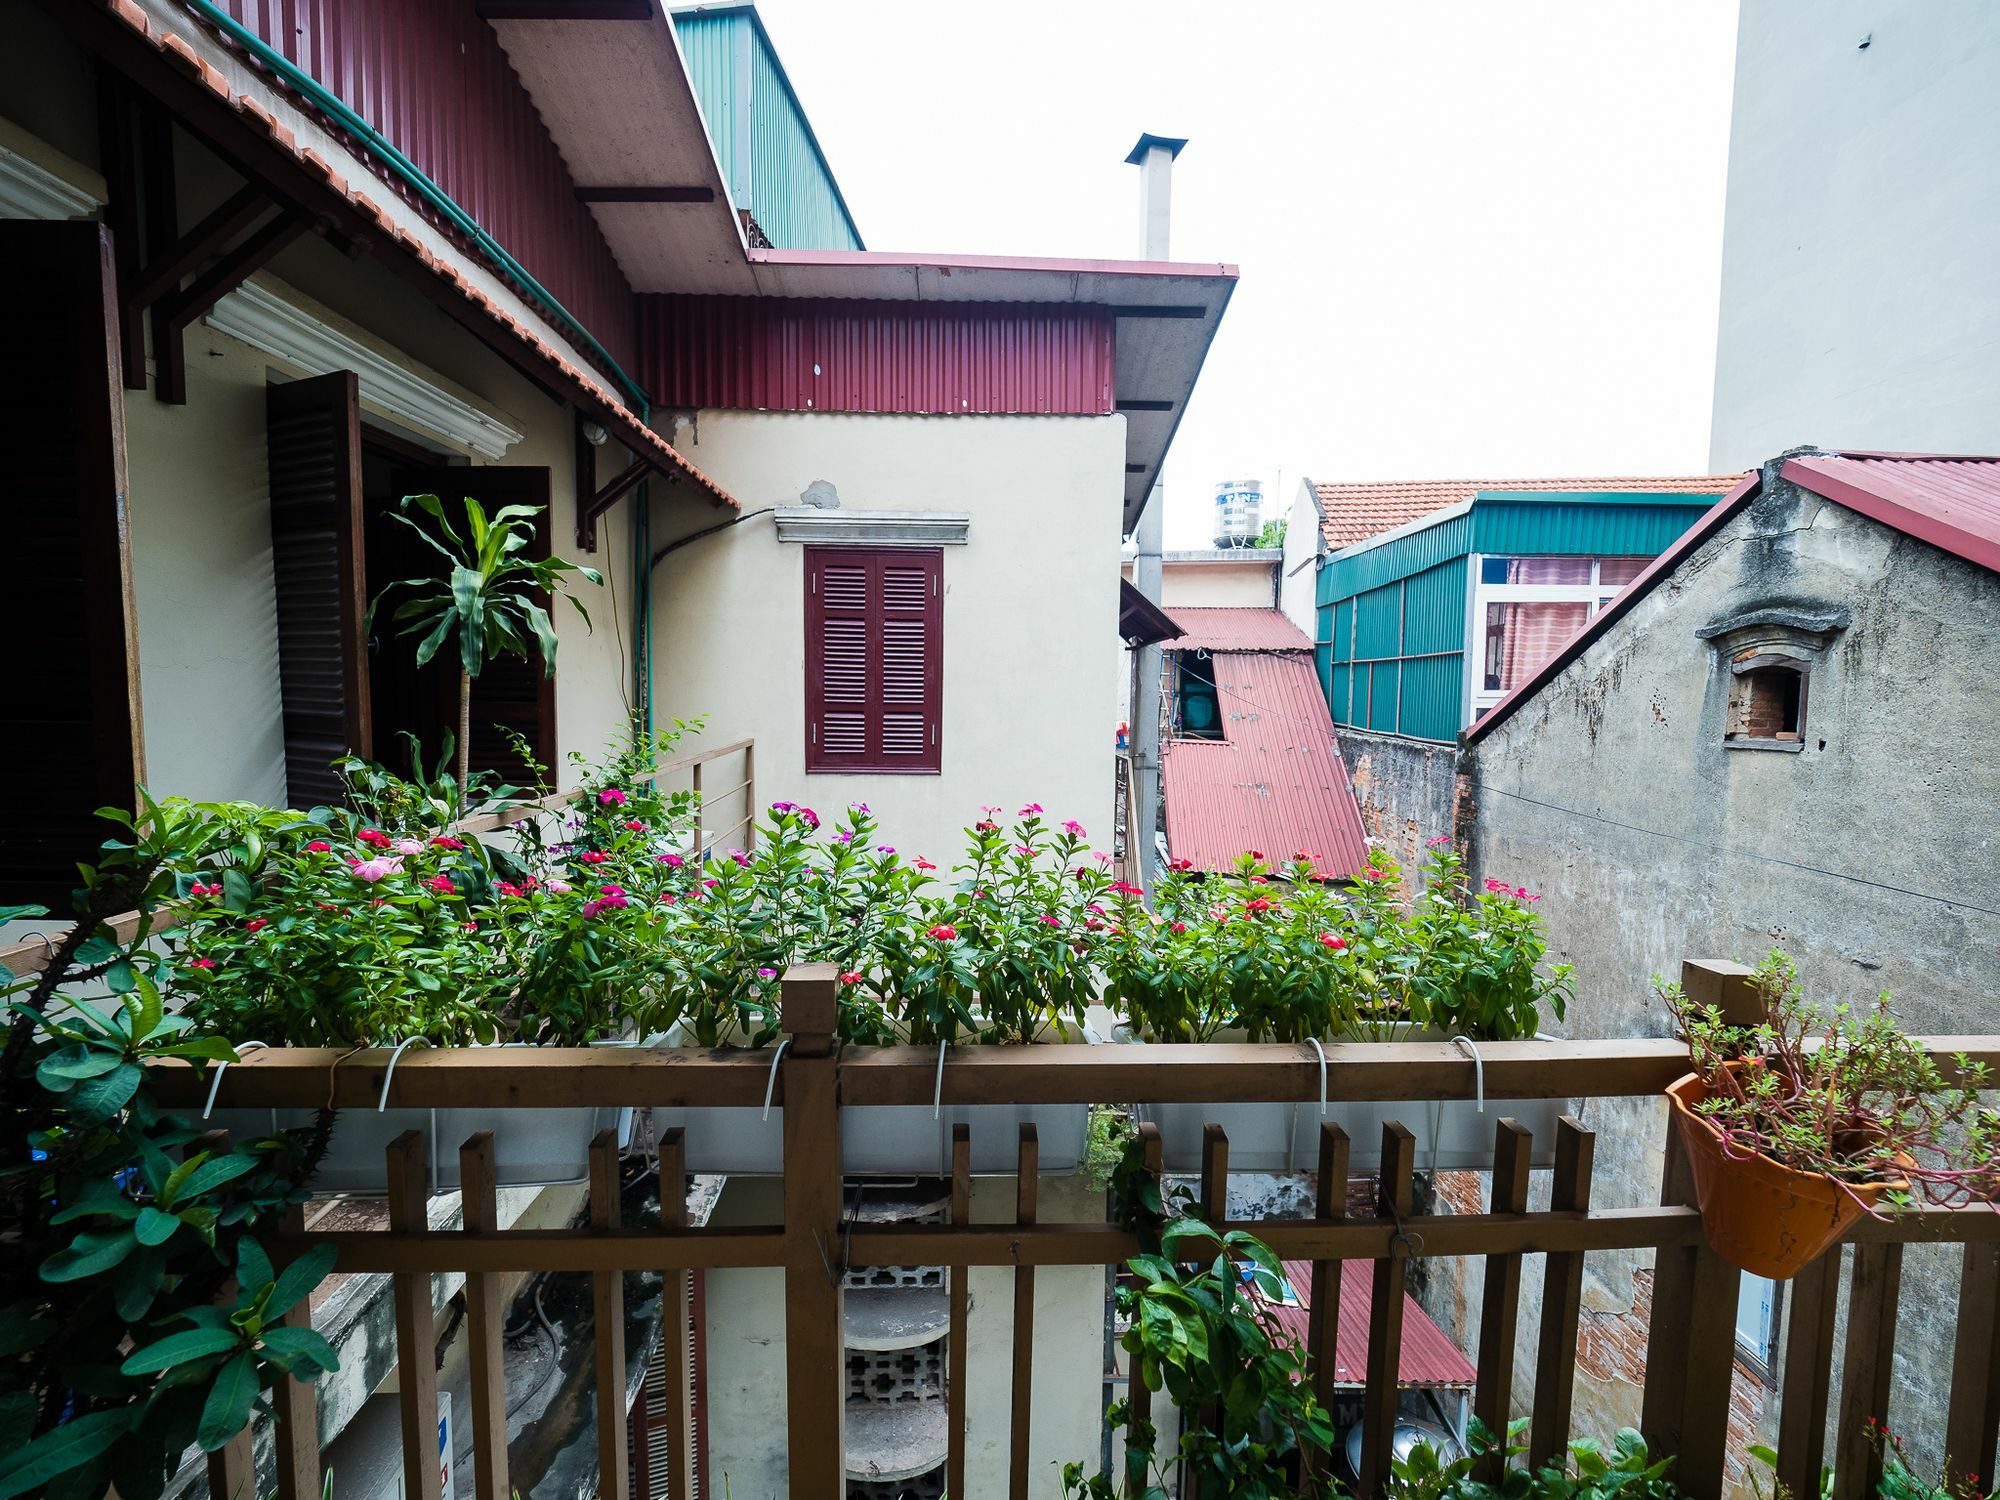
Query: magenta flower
{"type": "Point", "coordinates": [201, 963]}
{"type": "Point", "coordinates": [885, 848]}
{"type": "Point", "coordinates": [672, 861]}
{"type": "Point", "coordinates": [1439, 842]}
{"type": "Point", "coordinates": [767, 973]}
{"type": "Point", "coordinates": [319, 846]}
{"type": "Point", "coordinates": [379, 868]}
{"type": "Point", "coordinates": [1032, 810]}
{"type": "Point", "coordinates": [1049, 919]}
{"type": "Point", "coordinates": [1073, 828]}
{"type": "Point", "coordinates": [442, 885]}
{"type": "Point", "coordinates": [612, 797]}
{"type": "Point", "coordinates": [943, 933]}
{"type": "Point", "coordinates": [742, 859]}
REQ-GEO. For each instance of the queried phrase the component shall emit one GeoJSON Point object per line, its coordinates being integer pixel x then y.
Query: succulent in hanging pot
{"type": "Point", "coordinates": [1798, 1125]}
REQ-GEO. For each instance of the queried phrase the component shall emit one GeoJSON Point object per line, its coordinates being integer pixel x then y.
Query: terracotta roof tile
{"type": "Point", "coordinates": [1352, 513]}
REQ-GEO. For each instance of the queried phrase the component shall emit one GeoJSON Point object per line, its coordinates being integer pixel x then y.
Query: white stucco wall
{"type": "Point", "coordinates": [1215, 585]}
{"type": "Point", "coordinates": [1030, 606]}
{"type": "Point", "coordinates": [1298, 573]}
{"type": "Point", "coordinates": [1859, 309]}
{"type": "Point", "coordinates": [746, 1353]}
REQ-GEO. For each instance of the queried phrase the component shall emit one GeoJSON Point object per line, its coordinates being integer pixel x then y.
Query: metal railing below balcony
{"type": "Point", "coordinates": [1690, 1348]}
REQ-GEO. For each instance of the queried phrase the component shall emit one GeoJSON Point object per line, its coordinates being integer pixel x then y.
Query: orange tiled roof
{"type": "Point", "coordinates": [1351, 513]}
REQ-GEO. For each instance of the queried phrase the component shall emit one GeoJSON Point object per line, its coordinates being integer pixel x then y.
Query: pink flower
{"type": "Point", "coordinates": [201, 963]}
{"type": "Point", "coordinates": [379, 868]}
{"type": "Point", "coordinates": [852, 976]}
{"type": "Point", "coordinates": [1051, 920]}
{"type": "Point", "coordinates": [372, 836]}
{"type": "Point", "coordinates": [559, 886]}
{"type": "Point", "coordinates": [1329, 940]}
{"type": "Point", "coordinates": [1305, 856]}
{"type": "Point", "coordinates": [1103, 859]}
{"type": "Point", "coordinates": [885, 848]}
{"type": "Point", "coordinates": [198, 889]}
{"type": "Point", "coordinates": [613, 898]}
{"type": "Point", "coordinates": [408, 848]}
{"type": "Point", "coordinates": [508, 888]}
{"type": "Point", "coordinates": [472, 927]}
{"type": "Point", "coordinates": [943, 933]}
{"type": "Point", "coordinates": [635, 826]}
{"type": "Point", "coordinates": [1371, 873]}
{"type": "Point", "coordinates": [672, 861]}
{"type": "Point", "coordinates": [923, 864]}
{"type": "Point", "coordinates": [1496, 885]}
{"type": "Point", "coordinates": [1125, 888]}
{"type": "Point", "coordinates": [767, 973]}
{"type": "Point", "coordinates": [1025, 851]}
{"type": "Point", "coordinates": [781, 808]}
{"type": "Point", "coordinates": [612, 797]}
{"type": "Point", "coordinates": [256, 925]}
{"type": "Point", "coordinates": [1439, 842]}
{"type": "Point", "coordinates": [858, 807]}
{"type": "Point", "coordinates": [446, 841]}
{"type": "Point", "coordinates": [1178, 927]}
{"type": "Point", "coordinates": [811, 819]}
{"type": "Point", "coordinates": [442, 885]}
{"type": "Point", "coordinates": [593, 856]}
{"type": "Point", "coordinates": [319, 846]}
{"type": "Point", "coordinates": [1073, 828]}
{"type": "Point", "coordinates": [1260, 880]}
{"type": "Point", "coordinates": [709, 885]}
{"type": "Point", "coordinates": [742, 859]}
{"type": "Point", "coordinates": [1524, 894]}
{"type": "Point", "coordinates": [666, 898]}
{"type": "Point", "coordinates": [1032, 810]}
{"type": "Point", "coordinates": [611, 890]}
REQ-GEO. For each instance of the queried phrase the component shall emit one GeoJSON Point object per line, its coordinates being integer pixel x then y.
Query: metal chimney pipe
{"type": "Point", "coordinates": [1154, 157]}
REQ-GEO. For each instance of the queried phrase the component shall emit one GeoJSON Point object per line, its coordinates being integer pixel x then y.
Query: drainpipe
{"type": "Point", "coordinates": [1154, 157]}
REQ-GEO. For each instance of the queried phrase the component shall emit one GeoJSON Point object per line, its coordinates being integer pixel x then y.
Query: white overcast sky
{"type": "Point", "coordinates": [1476, 239]}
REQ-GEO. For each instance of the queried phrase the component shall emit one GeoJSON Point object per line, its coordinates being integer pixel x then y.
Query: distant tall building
{"type": "Point", "coordinates": [1239, 512]}
{"type": "Point", "coordinates": [1859, 308]}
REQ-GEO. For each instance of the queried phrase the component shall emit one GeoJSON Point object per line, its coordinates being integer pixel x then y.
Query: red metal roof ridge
{"type": "Point", "coordinates": [1711, 521]}
{"type": "Point", "coordinates": [1850, 488]}
{"type": "Point", "coordinates": [636, 435]}
{"type": "Point", "coordinates": [1557, 482]}
{"type": "Point", "coordinates": [916, 260]}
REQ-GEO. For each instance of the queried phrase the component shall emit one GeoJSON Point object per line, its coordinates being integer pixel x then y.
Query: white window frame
{"type": "Point", "coordinates": [1478, 697]}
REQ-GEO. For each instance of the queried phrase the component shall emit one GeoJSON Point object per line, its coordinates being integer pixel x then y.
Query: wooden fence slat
{"type": "Point", "coordinates": [1808, 1374]}
{"type": "Point", "coordinates": [1021, 1413]}
{"type": "Point", "coordinates": [815, 1322]}
{"type": "Point", "coordinates": [957, 1393]}
{"type": "Point", "coordinates": [232, 1469]}
{"type": "Point", "coordinates": [1323, 1318]}
{"type": "Point", "coordinates": [1562, 1301]}
{"type": "Point", "coordinates": [678, 1396]}
{"type": "Point", "coordinates": [1139, 1395]}
{"type": "Point", "coordinates": [607, 1293]}
{"type": "Point", "coordinates": [416, 1327]}
{"type": "Point", "coordinates": [1974, 1414]}
{"type": "Point", "coordinates": [1385, 1320]}
{"type": "Point", "coordinates": [1866, 1368]}
{"type": "Point", "coordinates": [296, 1408]}
{"type": "Point", "coordinates": [1500, 1304]}
{"type": "Point", "coordinates": [1214, 1209]}
{"type": "Point", "coordinates": [484, 1313]}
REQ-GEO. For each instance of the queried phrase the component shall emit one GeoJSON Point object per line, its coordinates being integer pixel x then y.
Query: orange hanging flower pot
{"type": "Point", "coordinates": [1758, 1214]}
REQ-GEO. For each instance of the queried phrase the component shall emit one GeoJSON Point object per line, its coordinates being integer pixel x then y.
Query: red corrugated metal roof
{"type": "Point", "coordinates": [1214, 628]}
{"type": "Point", "coordinates": [1351, 513]}
{"type": "Point", "coordinates": [1952, 503]}
{"type": "Point", "coordinates": [1429, 1357]}
{"type": "Point", "coordinates": [1275, 783]}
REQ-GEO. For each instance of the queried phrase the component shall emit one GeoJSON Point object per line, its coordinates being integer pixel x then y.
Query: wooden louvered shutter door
{"type": "Point", "coordinates": [512, 694]}
{"type": "Point", "coordinates": [874, 659]}
{"type": "Point", "coordinates": [313, 437]}
{"type": "Point", "coordinates": [72, 734]}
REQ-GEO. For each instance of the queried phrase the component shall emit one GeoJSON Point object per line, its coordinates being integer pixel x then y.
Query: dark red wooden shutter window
{"type": "Point", "coordinates": [874, 659]}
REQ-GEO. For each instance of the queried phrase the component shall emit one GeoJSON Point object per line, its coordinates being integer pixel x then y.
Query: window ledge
{"type": "Point", "coordinates": [1789, 746]}
{"type": "Point", "coordinates": [874, 528]}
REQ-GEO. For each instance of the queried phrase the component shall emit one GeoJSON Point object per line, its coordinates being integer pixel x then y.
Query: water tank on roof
{"type": "Point", "coordinates": [1239, 512]}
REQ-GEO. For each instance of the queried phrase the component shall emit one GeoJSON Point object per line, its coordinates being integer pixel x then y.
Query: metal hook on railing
{"type": "Point", "coordinates": [937, 1088]}
{"type": "Point", "coordinates": [215, 1084]}
{"type": "Point", "coordinates": [382, 1104]}
{"type": "Point", "coordinates": [1410, 1243]}
{"type": "Point", "coordinates": [48, 946]}
{"type": "Point", "coordinates": [771, 1083]}
{"type": "Point", "coordinates": [1313, 1041]}
{"type": "Point", "coordinates": [1478, 1069]}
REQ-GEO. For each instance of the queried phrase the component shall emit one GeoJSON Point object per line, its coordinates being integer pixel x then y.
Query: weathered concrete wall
{"type": "Point", "coordinates": [1868, 854]}
{"type": "Point", "coordinates": [1405, 789]}
{"type": "Point", "coordinates": [1863, 214]}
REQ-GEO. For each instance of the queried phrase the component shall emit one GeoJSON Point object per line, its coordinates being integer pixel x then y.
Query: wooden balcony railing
{"type": "Point", "coordinates": [1691, 1343]}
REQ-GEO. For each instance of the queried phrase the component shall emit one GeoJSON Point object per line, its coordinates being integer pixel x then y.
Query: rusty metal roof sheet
{"type": "Point", "coordinates": [1275, 783]}
{"type": "Point", "coordinates": [1242, 628]}
{"type": "Point", "coordinates": [1429, 1358]}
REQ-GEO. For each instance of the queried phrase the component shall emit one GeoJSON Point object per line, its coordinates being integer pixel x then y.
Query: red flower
{"type": "Point", "coordinates": [446, 841]}
{"type": "Point", "coordinates": [1332, 942]}
{"type": "Point", "coordinates": [1180, 864]}
{"type": "Point", "coordinates": [1260, 880]}
{"type": "Point", "coordinates": [1178, 927]}
{"type": "Point", "coordinates": [1371, 873]}
{"type": "Point", "coordinates": [201, 963]}
{"type": "Point", "coordinates": [507, 888]}
{"type": "Point", "coordinates": [1260, 904]}
{"type": "Point", "coordinates": [1256, 853]}
{"type": "Point", "coordinates": [923, 864]}
{"type": "Point", "coordinates": [319, 846]}
{"type": "Point", "coordinates": [442, 885]}
{"type": "Point", "coordinates": [256, 924]}
{"type": "Point", "coordinates": [1304, 856]}
{"type": "Point", "coordinates": [986, 826]}
{"type": "Point", "coordinates": [943, 933]}
{"type": "Point", "coordinates": [373, 836]}
{"type": "Point", "coordinates": [1124, 888]}
{"type": "Point", "coordinates": [472, 927]}
{"type": "Point", "coordinates": [636, 826]}
{"type": "Point", "coordinates": [852, 976]}
{"type": "Point", "coordinates": [594, 856]}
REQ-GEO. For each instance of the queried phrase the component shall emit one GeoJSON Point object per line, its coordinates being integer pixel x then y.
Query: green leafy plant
{"type": "Point", "coordinates": [1842, 1093]}
{"type": "Point", "coordinates": [489, 599]}
{"type": "Point", "coordinates": [138, 1312]}
{"type": "Point", "coordinates": [1590, 1470]}
{"type": "Point", "coordinates": [1899, 1480]}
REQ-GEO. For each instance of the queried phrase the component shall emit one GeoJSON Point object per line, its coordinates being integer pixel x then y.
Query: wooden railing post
{"type": "Point", "coordinates": [1808, 1375]}
{"type": "Point", "coordinates": [416, 1323]}
{"type": "Point", "coordinates": [1385, 1315]}
{"type": "Point", "coordinates": [1021, 1404]}
{"type": "Point", "coordinates": [607, 1289]}
{"type": "Point", "coordinates": [1323, 1318]}
{"type": "Point", "coordinates": [484, 1314]}
{"type": "Point", "coordinates": [1499, 1312]}
{"type": "Point", "coordinates": [1724, 985]}
{"type": "Point", "coordinates": [677, 1305]}
{"type": "Point", "coordinates": [957, 1393]}
{"type": "Point", "coordinates": [295, 1407]}
{"type": "Point", "coordinates": [815, 1329]}
{"type": "Point", "coordinates": [1139, 1395]}
{"type": "Point", "coordinates": [1562, 1302]}
{"type": "Point", "coordinates": [1866, 1370]}
{"type": "Point", "coordinates": [1690, 1346]}
{"type": "Point", "coordinates": [1974, 1416]}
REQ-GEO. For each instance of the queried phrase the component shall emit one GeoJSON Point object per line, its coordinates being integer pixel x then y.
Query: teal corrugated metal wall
{"type": "Point", "coordinates": [1393, 617]}
{"type": "Point", "coordinates": [785, 183]}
